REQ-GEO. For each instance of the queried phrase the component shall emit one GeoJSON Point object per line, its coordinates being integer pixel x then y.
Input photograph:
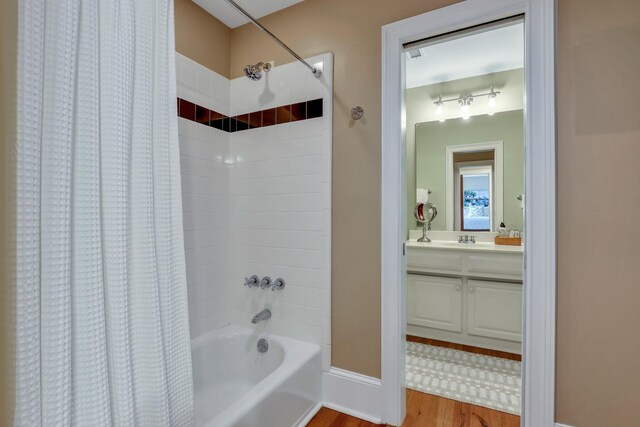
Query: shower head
{"type": "Point", "coordinates": [254, 72]}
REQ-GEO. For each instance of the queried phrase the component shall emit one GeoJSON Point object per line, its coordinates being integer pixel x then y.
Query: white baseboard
{"type": "Point", "coordinates": [353, 394]}
{"type": "Point", "coordinates": [310, 414]}
{"type": "Point", "coordinates": [562, 425]}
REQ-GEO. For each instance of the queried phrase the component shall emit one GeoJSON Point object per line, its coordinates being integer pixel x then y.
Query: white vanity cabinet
{"type": "Point", "coordinates": [494, 309]}
{"type": "Point", "coordinates": [436, 302]}
{"type": "Point", "coordinates": [474, 297]}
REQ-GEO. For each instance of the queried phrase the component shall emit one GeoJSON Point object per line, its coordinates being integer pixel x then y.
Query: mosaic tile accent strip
{"type": "Point", "coordinates": [256, 119]}
{"type": "Point", "coordinates": [487, 381]}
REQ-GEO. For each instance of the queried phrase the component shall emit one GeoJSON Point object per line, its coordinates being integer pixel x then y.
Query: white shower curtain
{"type": "Point", "coordinates": [102, 322]}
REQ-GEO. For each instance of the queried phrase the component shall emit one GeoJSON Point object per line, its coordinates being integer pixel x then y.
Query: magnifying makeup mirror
{"type": "Point", "coordinates": [425, 213]}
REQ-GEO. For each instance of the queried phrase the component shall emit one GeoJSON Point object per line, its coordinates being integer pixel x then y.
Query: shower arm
{"type": "Point", "coordinates": [316, 72]}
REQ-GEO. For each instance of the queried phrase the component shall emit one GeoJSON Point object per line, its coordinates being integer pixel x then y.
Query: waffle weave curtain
{"type": "Point", "coordinates": [101, 311]}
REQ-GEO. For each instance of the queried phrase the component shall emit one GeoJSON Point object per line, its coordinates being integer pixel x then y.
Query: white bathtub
{"type": "Point", "coordinates": [235, 385]}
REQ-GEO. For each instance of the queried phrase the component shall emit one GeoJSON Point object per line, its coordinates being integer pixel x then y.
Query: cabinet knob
{"type": "Point", "coordinates": [458, 288]}
{"type": "Point", "coordinates": [471, 289]}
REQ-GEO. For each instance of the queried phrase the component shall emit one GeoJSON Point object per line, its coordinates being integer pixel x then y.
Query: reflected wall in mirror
{"type": "Point", "coordinates": [475, 170]}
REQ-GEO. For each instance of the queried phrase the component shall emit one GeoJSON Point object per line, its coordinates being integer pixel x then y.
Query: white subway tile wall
{"type": "Point", "coordinates": [204, 152]}
{"type": "Point", "coordinates": [280, 206]}
{"type": "Point", "coordinates": [259, 202]}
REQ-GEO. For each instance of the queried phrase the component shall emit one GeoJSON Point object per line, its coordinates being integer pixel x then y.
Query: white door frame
{"type": "Point", "coordinates": [540, 191]}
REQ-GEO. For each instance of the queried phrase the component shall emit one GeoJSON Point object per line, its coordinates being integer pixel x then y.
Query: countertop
{"type": "Point", "coordinates": [451, 245]}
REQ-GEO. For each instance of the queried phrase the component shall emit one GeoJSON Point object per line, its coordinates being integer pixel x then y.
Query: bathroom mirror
{"type": "Point", "coordinates": [473, 170]}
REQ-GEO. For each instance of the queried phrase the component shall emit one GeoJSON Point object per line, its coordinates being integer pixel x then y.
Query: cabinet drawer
{"type": "Point", "coordinates": [435, 261]}
{"type": "Point", "coordinates": [500, 266]}
{"type": "Point", "coordinates": [495, 309]}
{"type": "Point", "coordinates": [435, 302]}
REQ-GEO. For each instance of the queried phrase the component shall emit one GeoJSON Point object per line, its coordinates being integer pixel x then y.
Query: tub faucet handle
{"type": "Point", "coordinates": [265, 283]}
{"type": "Point", "coordinates": [251, 281]}
{"type": "Point", "coordinates": [278, 284]}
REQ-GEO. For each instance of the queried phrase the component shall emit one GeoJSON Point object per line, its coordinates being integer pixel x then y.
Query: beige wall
{"type": "Point", "coordinates": [8, 55]}
{"type": "Point", "coordinates": [202, 37]}
{"type": "Point", "coordinates": [598, 357]}
{"type": "Point", "coordinates": [598, 350]}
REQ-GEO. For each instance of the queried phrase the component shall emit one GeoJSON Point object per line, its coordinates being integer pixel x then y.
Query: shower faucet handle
{"type": "Point", "coordinates": [278, 284]}
{"type": "Point", "coordinates": [265, 283]}
{"type": "Point", "coordinates": [251, 281]}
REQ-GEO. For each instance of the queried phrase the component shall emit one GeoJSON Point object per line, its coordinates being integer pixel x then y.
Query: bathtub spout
{"type": "Point", "coordinates": [263, 315]}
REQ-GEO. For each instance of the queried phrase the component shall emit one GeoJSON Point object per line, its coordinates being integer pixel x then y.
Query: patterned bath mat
{"type": "Point", "coordinates": [481, 380]}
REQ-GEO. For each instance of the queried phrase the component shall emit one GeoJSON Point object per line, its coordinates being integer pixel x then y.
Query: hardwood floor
{"type": "Point", "coordinates": [329, 418]}
{"type": "Point", "coordinates": [471, 349]}
{"type": "Point", "coordinates": [426, 410]}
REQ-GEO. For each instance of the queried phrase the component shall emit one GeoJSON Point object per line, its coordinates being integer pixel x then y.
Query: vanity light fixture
{"type": "Point", "coordinates": [465, 101]}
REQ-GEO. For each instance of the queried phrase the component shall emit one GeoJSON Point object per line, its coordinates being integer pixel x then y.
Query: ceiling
{"type": "Point", "coordinates": [232, 18]}
{"type": "Point", "coordinates": [492, 51]}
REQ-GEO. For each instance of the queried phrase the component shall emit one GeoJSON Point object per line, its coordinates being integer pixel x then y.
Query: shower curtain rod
{"type": "Point", "coordinates": [316, 72]}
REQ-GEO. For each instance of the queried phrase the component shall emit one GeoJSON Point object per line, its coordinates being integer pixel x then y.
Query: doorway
{"type": "Point", "coordinates": [538, 308]}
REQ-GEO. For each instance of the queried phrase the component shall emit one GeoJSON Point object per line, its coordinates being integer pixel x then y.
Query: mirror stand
{"type": "Point", "coordinates": [424, 237]}
{"type": "Point", "coordinates": [425, 213]}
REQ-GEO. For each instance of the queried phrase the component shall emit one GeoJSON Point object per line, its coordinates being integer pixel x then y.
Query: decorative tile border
{"type": "Point", "coordinates": [256, 119]}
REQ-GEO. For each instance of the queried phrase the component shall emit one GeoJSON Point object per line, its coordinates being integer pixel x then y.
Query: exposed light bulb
{"type": "Point", "coordinates": [464, 109]}
{"type": "Point", "coordinates": [439, 106]}
{"type": "Point", "coordinates": [492, 101]}
{"type": "Point", "coordinates": [465, 105]}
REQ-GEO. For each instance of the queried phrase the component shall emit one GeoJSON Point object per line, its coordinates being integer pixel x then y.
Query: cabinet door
{"type": "Point", "coordinates": [495, 309]}
{"type": "Point", "coordinates": [435, 302]}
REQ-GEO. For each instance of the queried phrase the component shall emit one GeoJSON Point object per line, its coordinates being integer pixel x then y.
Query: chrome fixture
{"type": "Point", "coordinates": [278, 284]}
{"type": "Point", "coordinates": [254, 72]}
{"type": "Point", "coordinates": [465, 100]}
{"type": "Point", "coordinates": [265, 283]}
{"type": "Point", "coordinates": [263, 315]}
{"type": "Point", "coordinates": [316, 72]}
{"type": "Point", "coordinates": [251, 281]}
{"type": "Point", "coordinates": [425, 213]}
{"type": "Point", "coordinates": [263, 346]}
{"type": "Point", "coordinates": [357, 112]}
{"type": "Point", "coordinates": [466, 239]}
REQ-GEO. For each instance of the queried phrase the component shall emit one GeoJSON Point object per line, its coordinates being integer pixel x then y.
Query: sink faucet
{"type": "Point", "coordinates": [466, 239]}
{"type": "Point", "coordinates": [263, 315]}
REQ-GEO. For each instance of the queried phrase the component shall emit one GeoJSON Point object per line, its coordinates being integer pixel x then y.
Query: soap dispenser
{"type": "Point", "coordinates": [502, 230]}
